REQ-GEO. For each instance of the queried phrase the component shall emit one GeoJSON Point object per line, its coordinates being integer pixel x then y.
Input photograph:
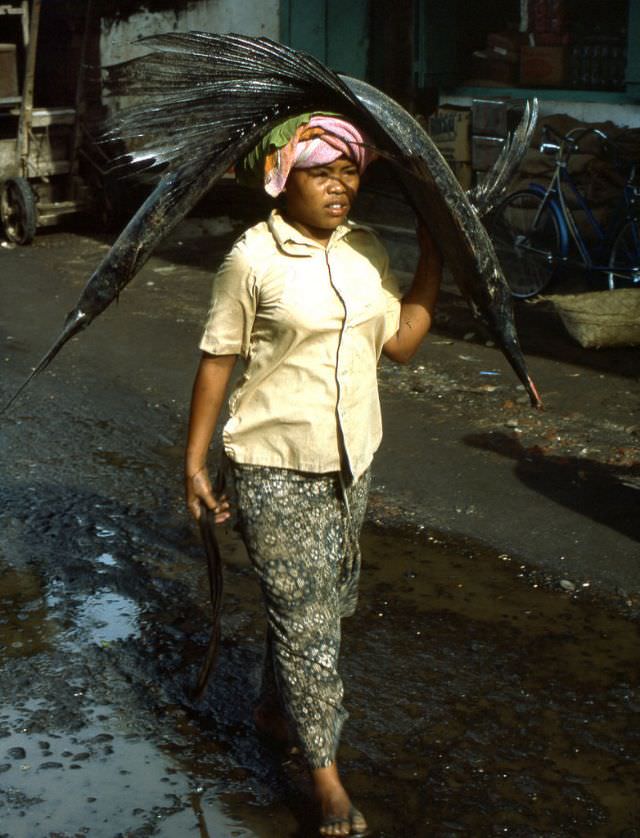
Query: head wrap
{"type": "Point", "coordinates": [302, 142]}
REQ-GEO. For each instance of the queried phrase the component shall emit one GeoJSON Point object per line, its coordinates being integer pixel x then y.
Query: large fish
{"type": "Point", "coordinates": [207, 99]}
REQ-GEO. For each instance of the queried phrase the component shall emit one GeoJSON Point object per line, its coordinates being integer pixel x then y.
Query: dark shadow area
{"type": "Point", "coordinates": [608, 494]}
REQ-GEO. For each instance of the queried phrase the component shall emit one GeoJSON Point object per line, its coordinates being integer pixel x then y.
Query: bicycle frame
{"type": "Point", "coordinates": [553, 198]}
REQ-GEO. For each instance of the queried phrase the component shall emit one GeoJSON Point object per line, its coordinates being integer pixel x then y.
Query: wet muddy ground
{"type": "Point", "coordinates": [483, 700]}
{"type": "Point", "coordinates": [488, 695]}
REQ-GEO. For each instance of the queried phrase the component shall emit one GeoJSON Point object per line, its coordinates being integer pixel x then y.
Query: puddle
{"type": "Point", "coordinates": [107, 616]}
{"type": "Point", "coordinates": [483, 701]}
{"type": "Point", "coordinates": [101, 781]}
{"type": "Point", "coordinates": [26, 627]}
{"type": "Point", "coordinates": [106, 559]}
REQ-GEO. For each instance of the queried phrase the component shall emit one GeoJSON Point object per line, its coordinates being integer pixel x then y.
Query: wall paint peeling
{"type": "Point", "coordinates": [133, 20]}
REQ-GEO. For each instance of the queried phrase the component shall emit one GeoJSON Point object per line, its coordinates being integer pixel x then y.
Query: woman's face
{"type": "Point", "coordinates": [320, 198]}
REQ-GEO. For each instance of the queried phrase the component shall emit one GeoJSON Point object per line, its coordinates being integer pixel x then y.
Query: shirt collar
{"type": "Point", "coordinates": [294, 243]}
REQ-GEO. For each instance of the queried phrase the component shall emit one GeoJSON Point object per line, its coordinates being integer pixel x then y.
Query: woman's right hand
{"type": "Point", "coordinates": [198, 489]}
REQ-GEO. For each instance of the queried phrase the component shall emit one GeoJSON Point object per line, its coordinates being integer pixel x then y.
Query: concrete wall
{"type": "Point", "coordinates": [244, 17]}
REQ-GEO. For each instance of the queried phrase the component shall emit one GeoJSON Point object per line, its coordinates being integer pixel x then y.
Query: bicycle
{"type": "Point", "coordinates": [533, 230]}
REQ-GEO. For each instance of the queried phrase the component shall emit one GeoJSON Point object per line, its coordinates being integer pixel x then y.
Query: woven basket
{"type": "Point", "coordinates": [601, 318]}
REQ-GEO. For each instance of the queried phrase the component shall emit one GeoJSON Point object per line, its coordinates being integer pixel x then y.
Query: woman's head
{"type": "Point", "coordinates": [318, 198]}
{"type": "Point", "coordinates": [316, 160]}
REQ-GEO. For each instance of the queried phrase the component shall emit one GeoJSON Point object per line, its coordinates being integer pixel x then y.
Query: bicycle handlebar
{"type": "Point", "coordinates": [569, 142]}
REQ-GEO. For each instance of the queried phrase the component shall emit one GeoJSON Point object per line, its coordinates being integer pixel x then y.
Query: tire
{"type": "Point", "coordinates": [18, 210]}
{"type": "Point", "coordinates": [525, 254]}
{"type": "Point", "coordinates": [625, 256]}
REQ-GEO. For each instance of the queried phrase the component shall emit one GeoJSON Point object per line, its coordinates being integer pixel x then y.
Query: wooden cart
{"type": "Point", "coordinates": [39, 179]}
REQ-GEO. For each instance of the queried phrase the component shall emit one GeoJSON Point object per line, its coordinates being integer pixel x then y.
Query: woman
{"type": "Point", "coordinates": [307, 300]}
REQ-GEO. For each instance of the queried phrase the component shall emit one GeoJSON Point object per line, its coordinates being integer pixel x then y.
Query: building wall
{"type": "Point", "coordinates": [117, 33]}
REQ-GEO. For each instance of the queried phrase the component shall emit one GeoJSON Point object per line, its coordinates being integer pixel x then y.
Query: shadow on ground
{"type": "Point", "coordinates": [606, 493]}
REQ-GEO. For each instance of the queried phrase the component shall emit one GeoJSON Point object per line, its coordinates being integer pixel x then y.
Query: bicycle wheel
{"type": "Point", "coordinates": [625, 256]}
{"type": "Point", "coordinates": [526, 237]}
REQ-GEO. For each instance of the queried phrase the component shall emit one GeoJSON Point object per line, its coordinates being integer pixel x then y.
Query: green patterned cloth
{"type": "Point", "coordinates": [250, 170]}
{"type": "Point", "coordinates": [301, 533]}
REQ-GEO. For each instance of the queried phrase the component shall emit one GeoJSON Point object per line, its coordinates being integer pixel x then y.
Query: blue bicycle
{"type": "Point", "coordinates": [536, 235]}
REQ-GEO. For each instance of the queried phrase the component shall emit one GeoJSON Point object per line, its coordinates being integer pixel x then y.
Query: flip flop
{"type": "Point", "coordinates": [353, 815]}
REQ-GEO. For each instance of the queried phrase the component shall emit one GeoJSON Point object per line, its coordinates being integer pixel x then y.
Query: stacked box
{"type": "Point", "coordinates": [544, 60]}
{"type": "Point", "coordinates": [492, 121]}
{"type": "Point", "coordinates": [496, 117]}
{"type": "Point", "coordinates": [543, 66]}
{"type": "Point", "coordinates": [450, 129]}
{"type": "Point", "coordinates": [500, 59]}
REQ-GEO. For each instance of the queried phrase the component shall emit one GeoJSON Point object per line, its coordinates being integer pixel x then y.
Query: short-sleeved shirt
{"type": "Point", "coordinates": [310, 323]}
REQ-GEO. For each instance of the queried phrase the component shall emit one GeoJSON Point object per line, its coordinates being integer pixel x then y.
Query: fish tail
{"type": "Point", "coordinates": [75, 322]}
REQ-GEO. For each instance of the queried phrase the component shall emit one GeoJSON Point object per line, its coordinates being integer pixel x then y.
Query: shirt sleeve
{"type": "Point", "coordinates": [232, 311]}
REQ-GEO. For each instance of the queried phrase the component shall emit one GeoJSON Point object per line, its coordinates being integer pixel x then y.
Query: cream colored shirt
{"type": "Point", "coordinates": [310, 323]}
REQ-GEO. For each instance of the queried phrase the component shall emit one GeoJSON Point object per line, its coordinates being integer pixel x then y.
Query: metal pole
{"type": "Point", "coordinates": [26, 109]}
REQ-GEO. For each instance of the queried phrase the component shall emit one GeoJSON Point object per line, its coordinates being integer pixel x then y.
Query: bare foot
{"type": "Point", "coordinates": [338, 815]}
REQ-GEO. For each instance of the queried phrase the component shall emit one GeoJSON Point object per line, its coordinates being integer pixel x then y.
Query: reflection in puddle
{"type": "Point", "coordinates": [107, 616]}
{"type": "Point", "coordinates": [106, 559]}
{"type": "Point", "coordinates": [25, 624]}
{"type": "Point", "coordinates": [100, 781]}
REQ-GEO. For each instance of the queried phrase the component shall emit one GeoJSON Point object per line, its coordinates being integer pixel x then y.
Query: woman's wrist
{"type": "Point", "coordinates": [191, 471]}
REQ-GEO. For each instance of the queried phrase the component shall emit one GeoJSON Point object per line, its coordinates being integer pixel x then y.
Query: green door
{"type": "Point", "coordinates": [335, 31]}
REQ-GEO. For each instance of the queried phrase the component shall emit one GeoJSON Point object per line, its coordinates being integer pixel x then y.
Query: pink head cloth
{"type": "Point", "coordinates": [317, 143]}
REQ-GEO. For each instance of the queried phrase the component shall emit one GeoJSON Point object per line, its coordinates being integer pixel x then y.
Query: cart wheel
{"type": "Point", "coordinates": [18, 210]}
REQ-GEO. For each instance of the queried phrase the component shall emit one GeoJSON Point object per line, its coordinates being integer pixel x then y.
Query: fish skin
{"type": "Point", "coordinates": [441, 203]}
{"type": "Point", "coordinates": [257, 71]}
{"type": "Point", "coordinates": [164, 208]}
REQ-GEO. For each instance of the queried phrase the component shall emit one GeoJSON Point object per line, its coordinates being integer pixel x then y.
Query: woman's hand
{"type": "Point", "coordinates": [198, 490]}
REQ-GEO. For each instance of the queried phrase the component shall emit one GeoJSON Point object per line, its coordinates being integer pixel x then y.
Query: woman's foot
{"type": "Point", "coordinates": [338, 816]}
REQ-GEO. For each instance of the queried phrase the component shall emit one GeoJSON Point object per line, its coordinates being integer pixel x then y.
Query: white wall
{"type": "Point", "coordinates": [244, 17]}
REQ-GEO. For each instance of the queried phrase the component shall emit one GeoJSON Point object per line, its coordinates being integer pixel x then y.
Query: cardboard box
{"type": "Point", "coordinates": [543, 66]}
{"type": "Point", "coordinates": [511, 56]}
{"type": "Point", "coordinates": [510, 41]}
{"type": "Point", "coordinates": [489, 66]}
{"type": "Point", "coordinates": [463, 173]}
{"type": "Point", "coordinates": [450, 130]}
{"type": "Point", "coordinates": [484, 152]}
{"type": "Point", "coordinates": [496, 117]}
{"type": "Point", "coordinates": [8, 72]}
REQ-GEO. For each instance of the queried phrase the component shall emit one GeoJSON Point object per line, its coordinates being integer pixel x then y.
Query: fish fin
{"type": "Point", "coordinates": [200, 88]}
{"type": "Point", "coordinates": [486, 195]}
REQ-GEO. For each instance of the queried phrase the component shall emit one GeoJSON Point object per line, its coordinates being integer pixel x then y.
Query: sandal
{"type": "Point", "coordinates": [354, 815]}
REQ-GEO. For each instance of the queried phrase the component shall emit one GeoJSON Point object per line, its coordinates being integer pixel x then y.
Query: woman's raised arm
{"type": "Point", "coordinates": [419, 303]}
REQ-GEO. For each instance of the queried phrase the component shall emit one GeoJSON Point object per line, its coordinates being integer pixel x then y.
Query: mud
{"type": "Point", "coordinates": [484, 700]}
{"type": "Point", "coordinates": [491, 691]}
